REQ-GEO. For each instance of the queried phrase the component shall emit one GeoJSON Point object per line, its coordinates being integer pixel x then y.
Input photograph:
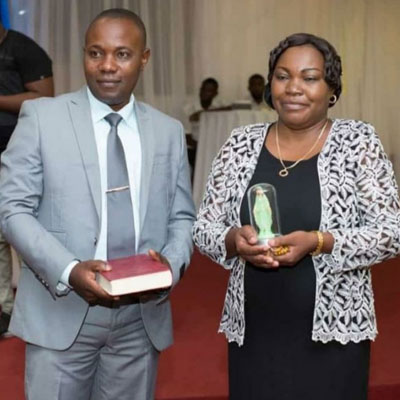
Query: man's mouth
{"type": "Point", "coordinates": [108, 83]}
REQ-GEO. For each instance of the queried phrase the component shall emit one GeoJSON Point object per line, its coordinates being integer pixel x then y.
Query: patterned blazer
{"type": "Point", "coordinates": [360, 208]}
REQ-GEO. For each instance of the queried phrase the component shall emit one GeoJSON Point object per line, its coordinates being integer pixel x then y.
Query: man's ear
{"type": "Point", "coordinates": [145, 58]}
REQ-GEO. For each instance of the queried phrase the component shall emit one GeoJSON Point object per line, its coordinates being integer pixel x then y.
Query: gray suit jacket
{"type": "Point", "coordinates": [50, 211]}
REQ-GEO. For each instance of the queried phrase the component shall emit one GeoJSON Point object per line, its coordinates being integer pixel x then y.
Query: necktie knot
{"type": "Point", "coordinates": [113, 119]}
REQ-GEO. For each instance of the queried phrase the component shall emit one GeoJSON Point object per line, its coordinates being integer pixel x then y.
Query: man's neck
{"type": "Point", "coordinates": [206, 103]}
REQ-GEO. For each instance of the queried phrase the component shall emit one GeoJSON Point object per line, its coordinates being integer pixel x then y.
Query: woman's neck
{"type": "Point", "coordinates": [290, 133]}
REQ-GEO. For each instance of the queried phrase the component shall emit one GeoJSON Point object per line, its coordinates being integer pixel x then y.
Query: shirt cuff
{"type": "Point", "coordinates": [64, 280]}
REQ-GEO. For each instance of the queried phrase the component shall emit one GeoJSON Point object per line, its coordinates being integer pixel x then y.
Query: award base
{"type": "Point", "coordinates": [263, 241]}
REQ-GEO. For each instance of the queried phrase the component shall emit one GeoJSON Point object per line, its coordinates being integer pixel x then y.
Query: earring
{"type": "Point", "coordinates": [332, 99]}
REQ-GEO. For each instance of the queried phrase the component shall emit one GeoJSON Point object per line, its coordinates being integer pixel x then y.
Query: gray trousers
{"type": "Point", "coordinates": [111, 359]}
{"type": "Point", "coordinates": [6, 291]}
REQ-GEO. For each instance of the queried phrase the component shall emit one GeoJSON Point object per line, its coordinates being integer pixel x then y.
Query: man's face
{"type": "Point", "coordinates": [256, 88]}
{"type": "Point", "coordinates": [208, 91]}
{"type": "Point", "coordinates": [114, 57]}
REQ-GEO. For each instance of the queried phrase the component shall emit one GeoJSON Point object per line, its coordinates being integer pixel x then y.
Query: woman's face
{"type": "Point", "coordinates": [299, 92]}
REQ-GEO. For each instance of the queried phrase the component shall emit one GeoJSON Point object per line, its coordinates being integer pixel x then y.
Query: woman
{"type": "Point", "coordinates": [299, 313]}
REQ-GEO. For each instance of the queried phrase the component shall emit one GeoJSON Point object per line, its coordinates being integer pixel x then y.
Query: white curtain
{"type": "Point", "coordinates": [230, 40]}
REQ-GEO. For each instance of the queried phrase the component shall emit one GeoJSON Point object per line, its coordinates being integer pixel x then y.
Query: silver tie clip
{"type": "Point", "coordinates": [118, 189]}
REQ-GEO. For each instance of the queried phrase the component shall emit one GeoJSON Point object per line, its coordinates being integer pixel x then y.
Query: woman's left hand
{"type": "Point", "coordinates": [300, 244]}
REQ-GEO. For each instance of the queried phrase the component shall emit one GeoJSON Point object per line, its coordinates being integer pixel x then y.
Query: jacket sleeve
{"type": "Point", "coordinates": [377, 236]}
{"type": "Point", "coordinates": [179, 245]}
{"type": "Point", "coordinates": [212, 224]}
{"type": "Point", "coordinates": [21, 188]}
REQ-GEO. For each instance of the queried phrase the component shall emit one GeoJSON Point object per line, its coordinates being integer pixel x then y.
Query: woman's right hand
{"type": "Point", "coordinates": [242, 242]}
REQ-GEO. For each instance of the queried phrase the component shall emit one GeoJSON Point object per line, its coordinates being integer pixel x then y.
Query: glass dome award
{"type": "Point", "coordinates": [264, 213]}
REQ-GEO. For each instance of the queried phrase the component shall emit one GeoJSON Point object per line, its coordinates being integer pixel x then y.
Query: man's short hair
{"type": "Point", "coordinates": [116, 13]}
{"type": "Point", "coordinates": [210, 81]}
{"type": "Point", "coordinates": [256, 76]}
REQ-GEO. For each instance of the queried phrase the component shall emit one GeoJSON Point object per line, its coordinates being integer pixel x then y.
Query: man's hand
{"type": "Point", "coordinates": [83, 279]}
{"type": "Point", "coordinates": [161, 294]}
{"type": "Point", "coordinates": [159, 257]}
{"type": "Point", "coordinates": [195, 117]}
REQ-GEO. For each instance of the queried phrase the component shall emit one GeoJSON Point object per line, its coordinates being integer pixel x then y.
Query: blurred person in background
{"type": "Point", "coordinates": [25, 73]}
{"type": "Point", "coordinates": [206, 101]}
{"type": "Point", "coordinates": [256, 87]}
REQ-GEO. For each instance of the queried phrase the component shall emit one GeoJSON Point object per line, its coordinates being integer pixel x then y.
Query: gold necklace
{"type": "Point", "coordinates": [285, 170]}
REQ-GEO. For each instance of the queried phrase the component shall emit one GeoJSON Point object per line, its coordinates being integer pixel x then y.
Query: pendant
{"type": "Point", "coordinates": [283, 173]}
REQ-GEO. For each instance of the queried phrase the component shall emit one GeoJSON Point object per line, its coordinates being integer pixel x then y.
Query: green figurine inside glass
{"type": "Point", "coordinates": [264, 213]}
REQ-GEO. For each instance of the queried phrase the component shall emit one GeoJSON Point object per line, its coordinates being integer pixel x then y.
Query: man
{"type": "Point", "coordinates": [25, 73]}
{"type": "Point", "coordinates": [256, 87]}
{"type": "Point", "coordinates": [61, 209]}
{"type": "Point", "coordinates": [207, 101]}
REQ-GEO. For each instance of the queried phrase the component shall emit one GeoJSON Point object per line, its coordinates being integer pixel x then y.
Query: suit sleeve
{"type": "Point", "coordinates": [21, 188]}
{"type": "Point", "coordinates": [179, 245]}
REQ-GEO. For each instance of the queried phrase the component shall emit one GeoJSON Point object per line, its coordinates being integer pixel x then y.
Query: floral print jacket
{"type": "Point", "coordinates": [360, 208]}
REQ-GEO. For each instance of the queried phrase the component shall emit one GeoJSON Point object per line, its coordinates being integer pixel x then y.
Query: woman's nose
{"type": "Point", "coordinates": [293, 86]}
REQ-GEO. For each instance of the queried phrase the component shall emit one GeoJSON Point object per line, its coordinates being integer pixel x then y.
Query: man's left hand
{"type": "Point", "coordinates": [161, 294]}
{"type": "Point", "coordinates": [159, 257]}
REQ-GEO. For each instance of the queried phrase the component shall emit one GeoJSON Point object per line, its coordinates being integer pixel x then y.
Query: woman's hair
{"type": "Point", "coordinates": [332, 63]}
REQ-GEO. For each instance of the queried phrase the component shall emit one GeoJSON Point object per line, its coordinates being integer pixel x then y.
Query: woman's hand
{"type": "Point", "coordinates": [242, 242]}
{"type": "Point", "coordinates": [300, 244]}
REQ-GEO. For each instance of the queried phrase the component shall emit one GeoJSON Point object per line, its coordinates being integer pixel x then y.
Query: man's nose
{"type": "Point", "coordinates": [108, 64]}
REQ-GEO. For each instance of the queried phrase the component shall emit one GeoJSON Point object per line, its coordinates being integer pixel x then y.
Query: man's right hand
{"type": "Point", "coordinates": [83, 280]}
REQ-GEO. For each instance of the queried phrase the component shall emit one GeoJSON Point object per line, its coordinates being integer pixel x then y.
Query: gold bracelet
{"type": "Point", "coordinates": [320, 243]}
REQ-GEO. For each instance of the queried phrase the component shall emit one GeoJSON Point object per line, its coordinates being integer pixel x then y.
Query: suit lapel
{"type": "Point", "coordinates": [147, 142]}
{"type": "Point", "coordinates": [83, 129]}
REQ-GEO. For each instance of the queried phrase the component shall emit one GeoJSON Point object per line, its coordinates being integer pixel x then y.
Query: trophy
{"type": "Point", "coordinates": [264, 213]}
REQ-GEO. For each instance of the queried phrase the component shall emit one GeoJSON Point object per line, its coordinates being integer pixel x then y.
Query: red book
{"type": "Point", "coordinates": [134, 274]}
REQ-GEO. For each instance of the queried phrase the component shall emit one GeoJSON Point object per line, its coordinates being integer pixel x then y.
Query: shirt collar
{"type": "Point", "coordinates": [99, 109]}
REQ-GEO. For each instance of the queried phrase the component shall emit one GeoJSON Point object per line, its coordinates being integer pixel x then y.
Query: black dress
{"type": "Point", "coordinates": [278, 360]}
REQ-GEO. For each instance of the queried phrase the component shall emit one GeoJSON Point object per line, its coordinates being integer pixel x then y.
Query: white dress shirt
{"type": "Point", "coordinates": [263, 106]}
{"type": "Point", "coordinates": [128, 132]}
{"type": "Point", "coordinates": [194, 106]}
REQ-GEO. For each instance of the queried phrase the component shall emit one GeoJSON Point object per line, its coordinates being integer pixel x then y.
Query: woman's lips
{"type": "Point", "coordinates": [290, 106]}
